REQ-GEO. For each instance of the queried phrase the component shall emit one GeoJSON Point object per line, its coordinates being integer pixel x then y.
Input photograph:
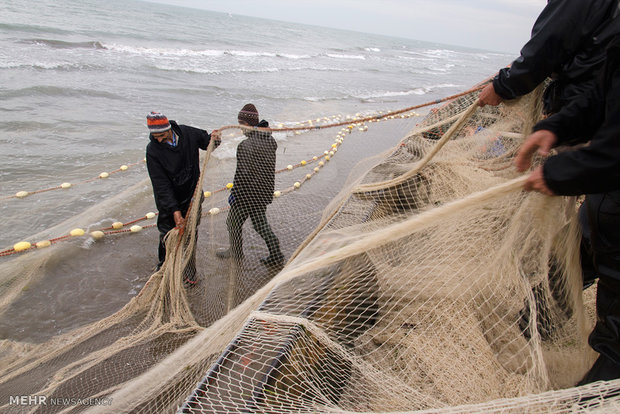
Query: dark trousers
{"type": "Point", "coordinates": [165, 223]}
{"type": "Point", "coordinates": [238, 214]}
{"type": "Point", "coordinates": [600, 222]}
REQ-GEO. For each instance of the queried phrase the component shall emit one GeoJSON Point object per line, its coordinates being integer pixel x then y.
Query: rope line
{"type": "Point", "coordinates": [65, 186]}
{"type": "Point", "coordinates": [355, 121]}
{"type": "Point", "coordinates": [117, 228]}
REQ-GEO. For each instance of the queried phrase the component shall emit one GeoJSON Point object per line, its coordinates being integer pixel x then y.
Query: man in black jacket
{"type": "Point", "coordinates": [567, 44]}
{"type": "Point", "coordinates": [252, 189]}
{"type": "Point", "coordinates": [593, 170]}
{"type": "Point", "coordinates": [172, 161]}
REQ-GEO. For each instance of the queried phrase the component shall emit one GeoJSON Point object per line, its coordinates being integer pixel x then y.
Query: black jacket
{"type": "Point", "coordinates": [174, 171]}
{"type": "Point", "coordinates": [568, 43]}
{"type": "Point", "coordinates": [256, 167]}
{"type": "Point", "coordinates": [594, 117]}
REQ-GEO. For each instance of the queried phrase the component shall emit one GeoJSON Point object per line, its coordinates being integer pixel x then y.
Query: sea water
{"type": "Point", "coordinates": [77, 78]}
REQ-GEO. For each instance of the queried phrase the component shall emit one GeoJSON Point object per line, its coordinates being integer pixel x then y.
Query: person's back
{"type": "Point", "coordinates": [253, 188]}
{"type": "Point", "coordinates": [256, 164]}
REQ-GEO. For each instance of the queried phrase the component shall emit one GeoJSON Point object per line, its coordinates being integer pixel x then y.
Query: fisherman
{"type": "Point", "coordinates": [172, 161]}
{"type": "Point", "coordinates": [567, 44]}
{"type": "Point", "coordinates": [252, 189]}
{"type": "Point", "coordinates": [593, 170]}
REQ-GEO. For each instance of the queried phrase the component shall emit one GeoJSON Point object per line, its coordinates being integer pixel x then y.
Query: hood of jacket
{"type": "Point", "coordinates": [252, 132]}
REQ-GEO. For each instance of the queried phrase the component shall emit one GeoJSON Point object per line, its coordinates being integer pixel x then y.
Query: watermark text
{"type": "Point", "coordinates": [34, 400]}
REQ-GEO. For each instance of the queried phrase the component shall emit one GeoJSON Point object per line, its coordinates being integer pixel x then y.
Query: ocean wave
{"type": "Point", "coordinates": [415, 91]}
{"type": "Point", "coordinates": [433, 53]}
{"type": "Point", "coordinates": [59, 44]}
{"type": "Point", "coordinates": [47, 90]}
{"type": "Point", "coordinates": [25, 126]}
{"type": "Point", "coordinates": [56, 66]}
{"type": "Point", "coordinates": [211, 71]}
{"type": "Point", "coordinates": [441, 68]}
{"type": "Point", "coordinates": [294, 57]}
{"type": "Point", "coordinates": [200, 69]}
{"type": "Point", "coordinates": [32, 28]}
{"type": "Point", "coordinates": [169, 52]}
{"type": "Point", "coordinates": [341, 56]}
{"type": "Point", "coordinates": [162, 52]}
{"type": "Point", "coordinates": [243, 53]}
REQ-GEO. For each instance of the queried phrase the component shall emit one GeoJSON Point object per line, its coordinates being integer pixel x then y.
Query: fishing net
{"type": "Point", "coordinates": [427, 281]}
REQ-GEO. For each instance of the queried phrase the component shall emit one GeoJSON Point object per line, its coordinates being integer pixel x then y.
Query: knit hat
{"type": "Point", "coordinates": [249, 114]}
{"type": "Point", "coordinates": [157, 122]}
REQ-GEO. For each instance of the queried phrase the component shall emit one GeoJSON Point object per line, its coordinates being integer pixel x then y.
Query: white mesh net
{"type": "Point", "coordinates": [425, 282]}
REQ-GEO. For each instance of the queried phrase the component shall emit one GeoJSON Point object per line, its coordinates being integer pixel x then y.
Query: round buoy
{"type": "Point", "coordinates": [124, 168]}
{"type": "Point", "coordinates": [104, 175]}
{"type": "Point", "coordinates": [214, 211]}
{"type": "Point", "coordinates": [97, 234]}
{"type": "Point", "coordinates": [21, 246]}
{"type": "Point", "coordinates": [327, 157]}
{"type": "Point", "coordinates": [321, 163]}
{"type": "Point", "coordinates": [277, 194]}
{"type": "Point", "coordinates": [65, 185]}
{"type": "Point", "coordinates": [207, 194]}
{"type": "Point", "coordinates": [22, 194]}
{"type": "Point", "coordinates": [135, 228]}
{"type": "Point", "coordinates": [117, 225]}
{"type": "Point", "coordinates": [43, 243]}
{"type": "Point", "coordinates": [150, 215]}
{"type": "Point", "coordinates": [316, 169]}
{"type": "Point", "coordinates": [308, 176]}
{"type": "Point", "coordinates": [303, 162]}
{"type": "Point", "coordinates": [77, 232]}
{"type": "Point", "coordinates": [289, 167]}
{"type": "Point", "coordinates": [229, 185]}
{"type": "Point", "coordinates": [297, 184]}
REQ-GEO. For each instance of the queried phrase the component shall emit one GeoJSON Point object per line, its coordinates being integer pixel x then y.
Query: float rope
{"type": "Point", "coordinates": [117, 227]}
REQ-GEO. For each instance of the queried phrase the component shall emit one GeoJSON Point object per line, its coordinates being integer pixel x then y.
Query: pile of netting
{"type": "Point", "coordinates": [430, 283]}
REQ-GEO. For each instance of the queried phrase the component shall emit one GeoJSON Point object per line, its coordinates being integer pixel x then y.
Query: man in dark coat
{"type": "Point", "coordinates": [593, 170]}
{"type": "Point", "coordinates": [253, 187]}
{"type": "Point", "coordinates": [172, 161]}
{"type": "Point", "coordinates": [567, 44]}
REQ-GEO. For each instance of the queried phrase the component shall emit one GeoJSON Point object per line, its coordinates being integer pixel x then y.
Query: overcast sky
{"type": "Point", "coordinates": [499, 25]}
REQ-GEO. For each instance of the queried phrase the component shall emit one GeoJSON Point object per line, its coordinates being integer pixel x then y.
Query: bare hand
{"type": "Point", "coordinates": [179, 221]}
{"type": "Point", "coordinates": [541, 141]}
{"type": "Point", "coordinates": [536, 182]}
{"type": "Point", "coordinates": [217, 138]}
{"type": "Point", "coordinates": [489, 97]}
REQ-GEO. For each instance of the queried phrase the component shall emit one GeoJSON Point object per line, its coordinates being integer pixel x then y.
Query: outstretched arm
{"type": "Point", "coordinates": [557, 34]}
